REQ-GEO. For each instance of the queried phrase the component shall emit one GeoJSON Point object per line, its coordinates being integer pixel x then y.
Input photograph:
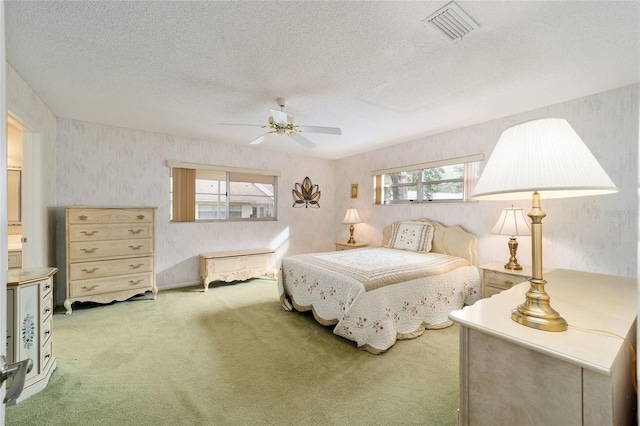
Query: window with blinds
{"type": "Point", "coordinates": [206, 193]}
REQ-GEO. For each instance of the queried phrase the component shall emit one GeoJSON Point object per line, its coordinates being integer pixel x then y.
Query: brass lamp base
{"type": "Point", "coordinates": [513, 264]}
{"type": "Point", "coordinates": [351, 240]}
{"type": "Point", "coordinates": [536, 312]}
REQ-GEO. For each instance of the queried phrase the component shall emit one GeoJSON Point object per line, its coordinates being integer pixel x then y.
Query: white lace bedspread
{"type": "Point", "coordinates": [375, 296]}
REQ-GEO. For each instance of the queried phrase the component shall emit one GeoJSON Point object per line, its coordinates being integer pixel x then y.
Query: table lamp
{"type": "Point", "coordinates": [512, 223]}
{"type": "Point", "coordinates": [351, 217]}
{"type": "Point", "coordinates": [542, 158]}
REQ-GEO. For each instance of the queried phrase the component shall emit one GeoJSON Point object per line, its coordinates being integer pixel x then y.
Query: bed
{"type": "Point", "coordinates": [375, 296]}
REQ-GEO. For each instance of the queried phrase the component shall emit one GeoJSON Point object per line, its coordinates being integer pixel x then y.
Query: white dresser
{"type": "Point", "coordinates": [513, 374]}
{"type": "Point", "coordinates": [30, 324]}
{"type": "Point", "coordinates": [110, 253]}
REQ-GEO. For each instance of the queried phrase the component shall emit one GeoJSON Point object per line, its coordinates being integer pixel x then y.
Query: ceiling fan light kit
{"type": "Point", "coordinates": [280, 123]}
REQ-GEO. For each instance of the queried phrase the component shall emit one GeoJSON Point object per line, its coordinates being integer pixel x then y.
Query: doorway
{"type": "Point", "coordinates": [30, 236]}
{"type": "Point", "coordinates": [14, 193]}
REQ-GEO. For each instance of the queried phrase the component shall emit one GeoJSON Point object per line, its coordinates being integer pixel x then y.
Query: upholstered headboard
{"type": "Point", "coordinates": [452, 240]}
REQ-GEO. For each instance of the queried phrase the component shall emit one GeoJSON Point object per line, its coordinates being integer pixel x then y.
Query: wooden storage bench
{"type": "Point", "coordinates": [237, 265]}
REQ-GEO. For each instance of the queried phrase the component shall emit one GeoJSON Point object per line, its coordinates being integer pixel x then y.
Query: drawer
{"type": "Point", "coordinates": [46, 289]}
{"type": "Point", "coordinates": [46, 354]}
{"type": "Point", "coordinates": [15, 259]}
{"type": "Point", "coordinates": [110, 232]}
{"type": "Point", "coordinates": [46, 308]}
{"type": "Point", "coordinates": [94, 215]}
{"type": "Point", "coordinates": [46, 330]}
{"type": "Point", "coordinates": [502, 280]}
{"type": "Point", "coordinates": [108, 268]}
{"type": "Point", "coordinates": [101, 249]}
{"type": "Point", "coordinates": [110, 285]}
{"type": "Point", "coordinates": [490, 291]}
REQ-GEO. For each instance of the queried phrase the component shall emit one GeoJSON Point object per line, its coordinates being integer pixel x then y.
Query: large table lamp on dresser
{"type": "Point", "coordinates": [543, 158]}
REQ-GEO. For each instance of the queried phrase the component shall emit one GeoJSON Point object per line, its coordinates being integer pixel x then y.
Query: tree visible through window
{"type": "Point", "coordinates": [448, 180]}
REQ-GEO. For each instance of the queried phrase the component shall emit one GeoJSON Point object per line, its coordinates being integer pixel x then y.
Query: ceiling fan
{"type": "Point", "coordinates": [282, 124]}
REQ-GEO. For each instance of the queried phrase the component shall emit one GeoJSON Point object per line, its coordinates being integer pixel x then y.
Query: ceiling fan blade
{"type": "Point", "coordinates": [258, 140]}
{"type": "Point", "coordinates": [302, 140]}
{"type": "Point", "coordinates": [237, 124]}
{"type": "Point", "coordinates": [279, 117]}
{"type": "Point", "coordinates": [317, 129]}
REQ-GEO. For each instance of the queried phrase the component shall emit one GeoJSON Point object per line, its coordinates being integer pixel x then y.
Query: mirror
{"type": "Point", "coordinates": [14, 196]}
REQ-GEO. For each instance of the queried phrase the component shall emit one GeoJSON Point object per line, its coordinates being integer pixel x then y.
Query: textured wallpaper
{"type": "Point", "coordinates": [110, 166]}
{"type": "Point", "coordinates": [595, 234]}
{"type": "Point", "coordinates": [93, 164]}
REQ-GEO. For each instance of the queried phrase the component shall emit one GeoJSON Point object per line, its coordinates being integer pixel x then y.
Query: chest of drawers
{"type": "Point", "coordinates": [515, 375]}
{"type": "Point", "coordinates": [30, 324]}
{"type": "Point", "coordinates": [495, 278]}
{"type": "Point", "coordinates": [343, 245]}
{"type": "Point", "coordinates": [110, 253]}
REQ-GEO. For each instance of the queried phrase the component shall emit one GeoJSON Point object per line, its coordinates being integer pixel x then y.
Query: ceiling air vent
{"type": "Point", "coordinates": [451, 22]}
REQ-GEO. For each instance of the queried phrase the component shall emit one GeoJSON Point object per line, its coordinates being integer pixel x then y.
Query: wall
{"type": "Point", "coordinates": [104, 165]}
{"type": "Point", "coordinates": [595, 234]}
{"type": "Point", "coordinates": [93, 164]}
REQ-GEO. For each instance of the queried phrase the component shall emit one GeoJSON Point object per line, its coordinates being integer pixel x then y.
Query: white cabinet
{"type": "Point", "coordinates": [15, 259]}
{"type": "Point", "coordinates": [30, 324]}
{"type": "Point", "coordinates": [513, 374]}
{"type": "Point", "coordinates": [495, 278]}
{"type": "Point", "coordinates": [110, 253]}
{"type": "Point", "coordinates": [343, 245]}
{"type": "Point", "coordinates": [238, 265]}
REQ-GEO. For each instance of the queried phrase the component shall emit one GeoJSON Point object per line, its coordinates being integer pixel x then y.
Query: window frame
{"type": "Point", "coordinates": [184, 204]}
{"type": "Point", "coordinates": [470, 174]}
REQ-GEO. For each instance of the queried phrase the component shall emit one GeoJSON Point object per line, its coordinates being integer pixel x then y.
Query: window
{"type": "Point", "coordinates": [204, 193]}
{"type": "Point", "coordinates": [439, 181]}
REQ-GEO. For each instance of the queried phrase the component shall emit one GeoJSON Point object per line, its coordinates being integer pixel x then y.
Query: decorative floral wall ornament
{"type": "Point", "coordinates": [306, 194]}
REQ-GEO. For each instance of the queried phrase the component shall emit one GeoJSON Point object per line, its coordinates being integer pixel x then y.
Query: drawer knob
{"type": "Point", "coordinates": [508, 283]}
{"type": "Point", "coordinates": [82, 217]}
{"type": "Point", "coordinates": [135, 266]}
{"type": "Point", "coordinates": [91, 250]}
{"type": "Point", "coordinates": [135, 231]}
{"type": "Point", "coordinates": [90, 271]}
{"type": "Point", "coordinates": [88, 233]}
{"type": "Point", "coordinates": [132, 282]}
{"type": "Point", "coordinates": [140, 216]}
{"type": "Point", "coordinates": [47, 287]}
{"type": "Point", "coordinates": [138, 247]}
{"type": "Point", "coordinates": [48, 332]}
{"type": "Point", "coordinates": [47, 356]}
{"type": "Point", "coordinates": [85, 288]}
{"type": "Point", "coordinates": [47, 310]}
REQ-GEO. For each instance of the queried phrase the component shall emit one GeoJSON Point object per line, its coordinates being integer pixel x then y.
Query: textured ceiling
{"type": "Point", "coordinates": [372, 68]}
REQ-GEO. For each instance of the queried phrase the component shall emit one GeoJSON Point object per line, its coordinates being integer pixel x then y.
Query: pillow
{"type": "Point", "coordinates": [414, 236]}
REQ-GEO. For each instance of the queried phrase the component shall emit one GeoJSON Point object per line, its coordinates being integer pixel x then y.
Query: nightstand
{"type": "Point", "coordinates": [343, 245]}
{"type": "Point", "coordinates": [495, 278]}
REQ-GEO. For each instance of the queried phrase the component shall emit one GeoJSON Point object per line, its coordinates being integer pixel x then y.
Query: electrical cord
{"type": "Point", "coordinates": [631, 348]}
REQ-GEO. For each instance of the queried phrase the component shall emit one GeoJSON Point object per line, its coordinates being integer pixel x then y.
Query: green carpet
{"type": "Point", "coordinates": [232, 356]}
